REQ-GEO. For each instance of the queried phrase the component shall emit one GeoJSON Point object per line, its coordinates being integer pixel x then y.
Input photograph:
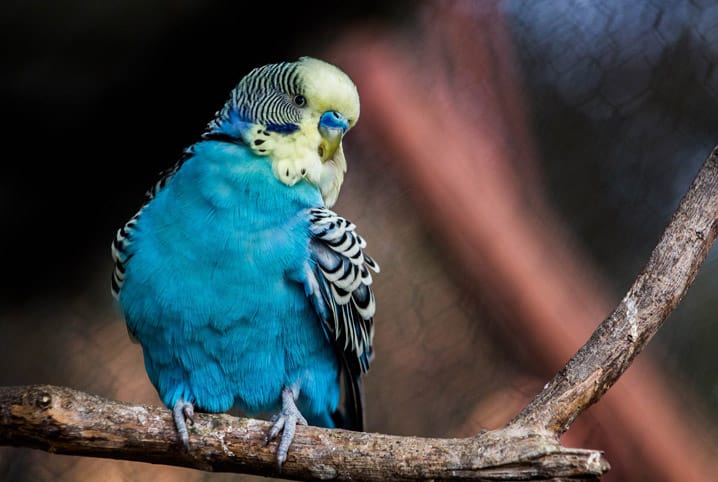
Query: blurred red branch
{"type": "Point", "coordinates": [446, 107]}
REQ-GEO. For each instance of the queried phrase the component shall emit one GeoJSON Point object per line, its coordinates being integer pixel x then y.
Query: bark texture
{"type": "Point", "coordinates": [66, 421]}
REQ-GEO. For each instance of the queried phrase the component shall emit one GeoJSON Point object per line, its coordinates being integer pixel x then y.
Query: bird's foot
{"type": "Point", "coordinates": [183, 413]}
{"type": "Point", "coordinates": [286, 422]}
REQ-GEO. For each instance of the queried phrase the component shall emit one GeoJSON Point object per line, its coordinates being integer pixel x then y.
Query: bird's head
{"type": "Point", "coordinates": [295, 114]}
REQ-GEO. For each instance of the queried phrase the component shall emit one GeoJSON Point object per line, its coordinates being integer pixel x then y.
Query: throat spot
{"type": "Point", "coordinates": [291, 171]}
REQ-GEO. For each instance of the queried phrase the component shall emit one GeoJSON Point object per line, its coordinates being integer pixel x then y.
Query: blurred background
{"type": "Point", "coordinates": [515, 163]}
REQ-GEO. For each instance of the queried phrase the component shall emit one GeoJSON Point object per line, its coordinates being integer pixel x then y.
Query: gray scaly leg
{"type": "Point", "coordinates": [183, 413]}
{"type": "Point", "coordinates": [286, 422]}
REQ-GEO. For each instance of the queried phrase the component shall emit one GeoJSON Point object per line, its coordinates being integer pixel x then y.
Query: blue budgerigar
{"type": "Point", "coordinates": [242, 286]}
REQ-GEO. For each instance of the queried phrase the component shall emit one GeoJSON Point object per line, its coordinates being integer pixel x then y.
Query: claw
{"type": "Point", "coordinates": [278, 425]}
{"type": "Point", "coordinates": [286, 422]}
{"type": "Point", "coordinates": [183, 413]}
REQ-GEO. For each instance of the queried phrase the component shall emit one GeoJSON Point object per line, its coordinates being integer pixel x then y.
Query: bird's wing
{"type": "Point", "coordinates": [121, 253]}
{"type": "Point", "coordinates": [339, 282]}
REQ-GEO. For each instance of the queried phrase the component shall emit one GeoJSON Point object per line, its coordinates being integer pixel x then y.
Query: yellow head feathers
{"type": "Point", "coordinates": [328, 88]}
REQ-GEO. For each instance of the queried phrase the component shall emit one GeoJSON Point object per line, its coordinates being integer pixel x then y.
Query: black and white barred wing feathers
{"type": "Point", "coordinates": [340, 286]}
{"type": "Point", "coordinates": [120, 254]}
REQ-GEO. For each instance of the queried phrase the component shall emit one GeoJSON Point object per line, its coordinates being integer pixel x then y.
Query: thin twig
{"type": "Point", "coordinates": [659, 288]}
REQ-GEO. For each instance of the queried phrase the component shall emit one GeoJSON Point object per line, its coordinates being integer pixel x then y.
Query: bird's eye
{"type": "Point", "coordinates": [299, 100]}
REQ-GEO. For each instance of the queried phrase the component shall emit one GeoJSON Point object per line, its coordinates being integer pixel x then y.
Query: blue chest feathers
{"type": "Point", "coordinates": [213, 291]}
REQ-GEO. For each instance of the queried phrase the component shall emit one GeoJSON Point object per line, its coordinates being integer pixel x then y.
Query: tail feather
{"type": "Point", "coordinates": [351, 416]}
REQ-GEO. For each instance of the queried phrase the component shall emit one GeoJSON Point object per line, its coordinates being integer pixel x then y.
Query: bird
{"type": "Point", "coordinates": [242, 286]}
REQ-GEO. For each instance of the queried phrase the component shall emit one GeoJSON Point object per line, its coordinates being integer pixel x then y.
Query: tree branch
{"type": "Point", "coordinates": [65, 421]}
{"type": "Point", "coordinates": [62, 420]}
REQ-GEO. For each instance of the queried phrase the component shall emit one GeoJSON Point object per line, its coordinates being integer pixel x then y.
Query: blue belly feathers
{"type": "Point", "coordinates": [213, 288]}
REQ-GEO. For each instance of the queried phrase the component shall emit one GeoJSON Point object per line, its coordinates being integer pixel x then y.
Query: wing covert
{"type": "Point", "coordinates": [338, 281]}
{"type": "Point", "coordinates": [341, 287]}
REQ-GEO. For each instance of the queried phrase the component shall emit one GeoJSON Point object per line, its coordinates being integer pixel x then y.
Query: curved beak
{"type": "Point", "coordinates": [332, 127]}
